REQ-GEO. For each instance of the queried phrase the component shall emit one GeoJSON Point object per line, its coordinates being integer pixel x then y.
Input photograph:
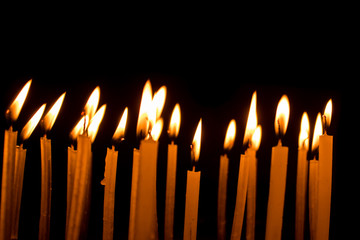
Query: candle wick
{"type": "Point", "coordinates": [324, 123]}
{"type": "Point", "coordinates": [193, 169]}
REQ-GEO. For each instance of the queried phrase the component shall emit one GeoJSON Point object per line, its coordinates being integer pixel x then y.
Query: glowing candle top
{"type": "Point", "coordinates": [32, 123]}
{"type": "Point", "coordinates": [230, 135]}
{"type": "Point", "coordinates": [256, 138]}
{"type": "Point", "coordinates": [50, 117]}
{"type": "Point", "coordinates": [196, 143]}
{"type": "Point", "coordinates": [251, 123]}
{"type": "Point", "coordinates": [175, 120]}
{"type": "Point", "coordinates": [15, 108]}
{"type": "Point", "coordinates": [282, 116]}
{"type": "Point", "coordinates": [304, 132]}
{"type": "Point", "coordinates": [327, 115]}
{"type": "Point", "coordinates": [317, 132]}
{"type": "Point", "coordinates": [120, 130]}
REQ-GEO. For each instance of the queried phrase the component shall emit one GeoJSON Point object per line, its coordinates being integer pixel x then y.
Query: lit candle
{"type": "Point", "coordinates": [192, 189]}
{"type": "Point", "coordinates": [314, 179]}
{"type": "Point", "coordinates": [45, 147]}
{"type": "Point", "coordinates": [19, 169]}
{"type": "Point", "coordinates": [79, 203]}
{"type": "Point", "coordinates": [325, 177]}
{"type": "Point", "coordinates": [223, 176]}
{"type": "Point", "coordinates": [278, 170]}
{"type": "Point", "coordinates": [110, 179]}
{"type": "Point", "coordinates": [301, 178]}
{"type": "Point", "coordinates": [10, 139]}
{"type": "Point", "coordinates": [173, 132]}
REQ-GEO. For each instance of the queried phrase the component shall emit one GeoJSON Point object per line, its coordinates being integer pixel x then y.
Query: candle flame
{"type": "Point", "coordinates": [120, 130]}
{"type": "Point", "coordinates": [251, 121]}
{"type": "Point", "coordinates": [158, 102]}
{"type": "Point", "coordinates": [142, 128]}
{"type": "Point", "coordinates": [92, 103]}
{"type": "Point", "coordinates": [304, 132]}
{"type": "Point", "coordinates": [256, 138]}
{"type": "Point", "coordinates": [31, 124]}
{"type": "Point", "coordinates": [196, 143]}
{"type": "Point", "coordinates": [95, 122]}
{"type": "Point", "coordinates": [50, 117]}
{"type": "Point", "coordinates": [79, 127]}
{"type": "Point", "coordinates": [15, 107]}
{"type": "Point", "coordinates": [230, 135]}
{"type": "Point", "coordinates": [175, 120]}
{"type": "Point", "coordinates": [157, 129]}
{"type": "Point", "coordinates": [327, 114]}
{"type": "Point", "coordinates": [317, 133]}
{"type": "Point", "coordinates": [282, 116]}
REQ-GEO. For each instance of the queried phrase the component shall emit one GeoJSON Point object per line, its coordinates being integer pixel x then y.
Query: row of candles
{"type": "Point", "coordinates": [143, 213]}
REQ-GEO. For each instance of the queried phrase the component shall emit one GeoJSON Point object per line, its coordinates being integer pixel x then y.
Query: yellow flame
{"type": "Point", "coordinates": [304, 132]}
{"type": "Point", "coordinates": [142, 128]}
{"type": "Point", "coordinates": [31, 124]}
{"type": "Point", "coordinates": [120, 130]}
{"type": "Point", "coordinates": [95, 122]}
{"type": "Point", "coordinates": [50, 117]}
{"type": "Point", "coordinates": [328, 113]}
{"type": "Point", "coordinates": [282, 115]}
{"type": "Point", "coordinates": [317, 133]}
{"type": "Point", "coordinates": [15, 107]}
{"type": "Point", "coordinates": [175, 120]}
{"type": "Point", "coordinates": [196, 143]}
{"type": "Point", "coordinates": [156, 130]}
{"type": "Point", "coordinates": [79, 127]}
{"type": "Point", "coordinates": [92, 103]}
{"type": "Point", "coordinates": [251, 121]}
{"type": "Point", "coordinates": [230, 135]}
{"type": "Point", "coordinates": [256, 138]}
{"type": "Point", "coordinates": [158, 102]}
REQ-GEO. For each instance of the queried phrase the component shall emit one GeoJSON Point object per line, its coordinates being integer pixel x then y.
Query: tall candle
{"type": "Point", "coordinates": [133, 194]}
{"type": "Point", "coordinates": [301, 178]}
{"type": "Point", "coordinates": [71, 162]}
{"type": "Point", "coordinates": [192, 190]}
{"type": "Point", "coordinates": [278, 170]}
{"type": "Point", "coordinates": [173, 131]}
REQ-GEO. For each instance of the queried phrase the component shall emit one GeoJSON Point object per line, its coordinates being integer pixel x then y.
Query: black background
{"type": "Point", "coordinates": [210, 65]}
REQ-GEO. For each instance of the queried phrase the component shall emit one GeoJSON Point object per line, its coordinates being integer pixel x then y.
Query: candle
{"type": "Point", "coordinates": [278, 170]}
{"type": "Point", "coordinates": [192, 189]}
{"type": "Point", "coordinates": [223, 175]}
{"type": "Point", "coordinates": [325, 177]}
{"type": "Point", "coordinates": [7, 179]}
{"type": "Point", "coordinates": [173, 132]}
{"type": "Point", "coordinates": [19, 169]}
{"type": "Point", "coordinates": [301, 178]}
{"type": "Point", "coordinates": [110, 180]}
{"type": "Point", "coordinates": [45, 147]}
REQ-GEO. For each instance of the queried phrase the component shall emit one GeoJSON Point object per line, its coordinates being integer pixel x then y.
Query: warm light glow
{"type": "Point", "coordinates": [142, 128]}
{"type": "Point", "coordinates": [175, 120]}
{"type": "Point", "coordinates": [230, 135]}
{"type": "Point", "coordinates": [120, 130]}
{"type": "Point", "coordinates": [31, 124]}
{"type": "Point", "coordinates": [15, 107]}
{"type": "Point", "coordinates": [95, 122]}
{"type": "Point", "coordinates": [256, 138]}
{"type": "Point", "coordinates": [156, 130]}
{"type": "Point", "coordinates": [304, 132]}
{"type": "Point", "coordinates": [50, 117]}
{"type": "Point", "coordinates": [158, 101]}
{"type": "Point", "coordinates": [317, 133]}
{"type": "Point", "coordinates": [327, 114]}
{"type": "Point", "coordinates": [196, 144]}
{"type": "Point", "coordinates": [251, 121]}
{"type": "Point", "coordinates": [79, 128]}
{"type": "Point", "coordinates": [92, 103]}
{"type": "Point", "coordinates": [282, 115]}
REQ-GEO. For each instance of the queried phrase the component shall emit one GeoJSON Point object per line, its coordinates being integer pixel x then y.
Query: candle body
{"type": "Point", "coordinates": [301, 187]}
{"type": "Point", "coordinates": [313, 195]}
{"type": "Point", "coordinates": [276, 199]}
{"type": "Point", "coordinates": [81, 189]}
{"type": "Point", "coordinates": [109, 193]}
{"type": "Point", "coordinates": [20, 156]}
{"type": "Point", "coordinates": [146, 214]}
{"type": "Point", "coordinates": [45, 207]}
{"type": "Point", "coordinates": [134, 186]}
{"type": "Point", "coordinates": [170, 192]}
{"type": "Point", "coordinates": [71, 161]}
{"type": "Point", "coordinates": [325, 179]}
{"type": "Point", "coordinates": [251, 194]}
{"type": "Point", "coordinates": [221, 211]}
{"type": "Point", "coordinates": [191, 204]}
{"type": "Point", "coordinates": [7, 180]}
{"type": "Point", "coordinates": [240, 198]}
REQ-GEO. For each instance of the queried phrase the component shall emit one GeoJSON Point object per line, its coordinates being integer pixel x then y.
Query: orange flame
{"type": "Point", "coordinates": [32, 123]}
{"type": "Point", "coordinates": [317, 133]}
{"type": "Point", "coordinates": [230, 135]}
{"type": "Point", "coordinates": [92, 103]}
{"type": "Point", "coordinates": [145, 107]}
{"type": "Point", "coordinates": [95, 122]}
{"type": "Point", "coordinates": [251, 121]}
{"type": "Point", "coordinates": [175, 120]}
{"type": "Point", "coordinates": [50, 117]}
{"type": "Point", "coordinates": [304, 132]}
{"type": "Point", "coordinates": [15, 107]}
{"type": "Point", "coordinates": [79, 127]}
{"type": "Point", "coordinates": [157, 129]}
{"type": "Point", "coordinates": [327, 114]}
{"type": "Point", "coordinates": [120, 130]}
{"type": "Point", "coordinates": [256, 138]}
{"type": "Point", "coordinates": [282, 116]}
{"type": "Point", "coordinates": [196, 143]}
